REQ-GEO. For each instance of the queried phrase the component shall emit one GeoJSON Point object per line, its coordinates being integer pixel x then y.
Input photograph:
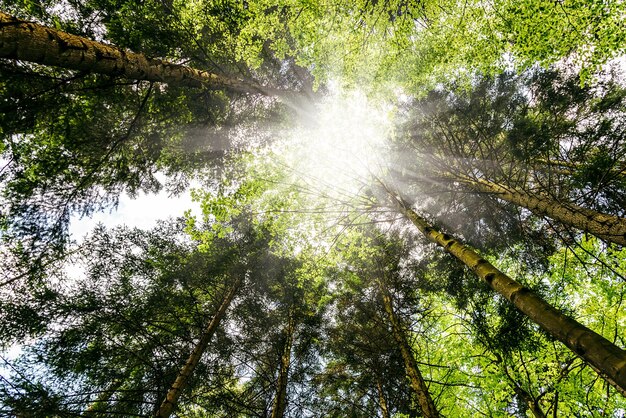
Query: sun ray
{"type": "Point", "coordinates": [338, 143]}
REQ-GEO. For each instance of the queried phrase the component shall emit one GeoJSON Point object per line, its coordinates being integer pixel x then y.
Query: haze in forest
{"type": "Point", "coordinates": [342, 209]}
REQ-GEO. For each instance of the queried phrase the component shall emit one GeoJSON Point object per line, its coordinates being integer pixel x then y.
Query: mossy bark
{"type": "Point", "coordinates": [607, 227]}
{"type": "Point", "coordinates": [607, 358]}
{"type": "Point", "coordinates": [32, 42]}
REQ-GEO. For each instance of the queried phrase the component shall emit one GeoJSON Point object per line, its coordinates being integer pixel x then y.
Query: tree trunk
{"type": "Point", "coordinates": [607, 227]}
{"type": "Point", "coordinates": [532, 403]}
{"type": "Point", "coordinates": [168, 404]}
{"type": "Point", "coordinates": [280, 400]}
{"type": "Point", "coordinates": [417, 381]}
{"type": "Point", "coordinates": [99, 404]}
{"type": "Point", "coordinates": [384, 409]}
{"type": "Point", "coordinates": [607, 358]}
{"type": "Point", "coordinates": [32, 42]}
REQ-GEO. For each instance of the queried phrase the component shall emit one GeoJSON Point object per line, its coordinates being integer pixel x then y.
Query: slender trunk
{"type": "Point", "coordinates": [417, 381]}
{"type": "Point", "coordinates": [168, 404]}
{"type": "Point", "coordinates": [536, 410]}
{"type": "Point", "coordinates": [607, 358]}
{"type": "Point", "coordinates": [384, 409]}
{"type": "Point", "coordinates": [531, 402]}
{"type": "Point", "coordinates": [32, 42]}
{"type": "Point", "coordinates": [607, 227]}
{"type": "Point", "coordinates": [99, 404]}
{"type": "Point", "coordinates": [280, 400]}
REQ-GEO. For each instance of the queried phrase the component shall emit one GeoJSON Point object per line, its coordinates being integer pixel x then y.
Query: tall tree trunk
{"type": "Point", "coordinates": [32, 42]}
{"type": "Point", "coordinates": [280, 400]}
{"type": "Point", "coordinates": [607, 358]}
{"type": "Point", "coordinates": [99, 404]}
{"type": "Point", "coordinates": [607, 227]}
{"type": "Point", "coordinates": [417, 381]}
{"type": "Point", "coordinates": [168, 404]}
{"type": "Point", "coordinates": [384, 409]}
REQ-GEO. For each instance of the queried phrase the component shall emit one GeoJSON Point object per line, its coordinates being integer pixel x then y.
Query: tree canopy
{"type": "Point", "coordinates": [406, 209]}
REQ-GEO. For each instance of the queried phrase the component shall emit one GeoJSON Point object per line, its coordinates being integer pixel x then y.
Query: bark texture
{"type": "Point", "coordinates": [533, 404]}
{"type": "Point", "coordinates": [607, 358]}
{"type": "Point", "coordinates": [418, 384]}
{"type": "Point", "coordinates": [32, 42]}
{"type": "Point", "coordinates": [607, 227]}
{"type": "Point", "coordinates": [280, 400]}
{"type": "Point", "coordinates": [169, 403]}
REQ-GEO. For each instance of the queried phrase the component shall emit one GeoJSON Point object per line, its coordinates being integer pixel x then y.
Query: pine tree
{"type": "Point", "coordinates": [607, 358]}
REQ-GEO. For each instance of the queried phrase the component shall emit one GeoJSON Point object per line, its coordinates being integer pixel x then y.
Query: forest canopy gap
{"type": "Point", "coordinates": [339, 143]}
{"type": "Point", "coordinates": [407, 208]}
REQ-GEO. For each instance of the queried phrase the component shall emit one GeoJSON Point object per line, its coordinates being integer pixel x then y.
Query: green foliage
{"type": "Point", "coordinates": [417, 45]}
{"type": "Point", "coordinates": [540, 132]}
{"type": "Point", "coordinates": [113, 332]}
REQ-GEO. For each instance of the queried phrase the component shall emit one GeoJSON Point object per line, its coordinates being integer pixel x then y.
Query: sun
{"type": "Point", "coordinates": [339, 143]}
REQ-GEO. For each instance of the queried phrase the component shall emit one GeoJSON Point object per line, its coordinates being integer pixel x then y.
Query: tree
{"type": "Point", "coordinates": [46, 154]}
{"type": "Point", "coordinates": [139, 357]}
{"type": "Point", "coordinates": [417, 381]}
{"type": "Point", "coordinates": [604, 356]}
{"type": "Point", "coordinates": [26, 41]}
{"type": "Point", "coordinates": [280, 399]}
{"type": "Point", "coordinates": [383, 45]}
{"type": "Point", "coordinates": [378, 328]}
{"type": "Point", "coordinates": [496, 139]}
{"type": "Point", "coordinates": [102, 338]}
{"type": "Point", "coordinates": [169, 403]}
{"type": "Point", "coordinates": [608, 227]}
{"type": "Point", "coordinates": [291, 297]}
{"type": "Point", "coordinates": [365, 373]}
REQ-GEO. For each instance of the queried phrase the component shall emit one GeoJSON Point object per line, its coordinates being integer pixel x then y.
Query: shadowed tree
{"type": "Point", "coordinates": [171, 398]}
{"type": "Point", "coordinates": [505, 136]}
{"type": "Point", "coordinates": [125, 330]}
{"type": "Point", "coordinates": [605, 357]}
{"type": "Point", "coordinates": [381, 354]}
{"type": "Point", "coordinates": [364, 373]}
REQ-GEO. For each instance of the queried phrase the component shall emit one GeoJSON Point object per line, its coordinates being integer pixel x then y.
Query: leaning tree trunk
{"type": "Point", "coordinates": [607, 227]}
{"type": "Point", "coordinates": [280, 400]}
{"type": "Point", "coordinates": [418, 384]}
{"type": "Point", "coordinates": [169, 403]}
{"type": "Point", "coordinates": [32, 42]}
{"type": "Point", "coordinates": [607, 358]}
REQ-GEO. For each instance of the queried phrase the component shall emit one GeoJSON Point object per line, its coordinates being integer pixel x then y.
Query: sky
{"type": "Point", "coordinates": [142, 212]}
